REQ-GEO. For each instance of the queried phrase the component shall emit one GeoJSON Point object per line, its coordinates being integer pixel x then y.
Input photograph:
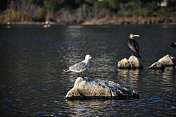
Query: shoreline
{"type": "Point", "coordinates": [104, 21]}
{"type": "Point", "coordinates": [91, 24]}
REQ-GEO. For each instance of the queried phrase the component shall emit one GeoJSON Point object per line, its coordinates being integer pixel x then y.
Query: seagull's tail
{"type": "Point", "coordinates": [66, 70]}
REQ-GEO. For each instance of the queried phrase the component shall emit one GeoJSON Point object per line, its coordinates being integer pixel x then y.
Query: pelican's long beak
{"type": "Point", "coordinates": [135, 35]}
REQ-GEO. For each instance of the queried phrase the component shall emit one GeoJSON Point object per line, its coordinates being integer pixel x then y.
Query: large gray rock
{"type": "Point", "coordinates": [131, 63]}
{"type": "Point", "coordinates": [87, 88]}
{"type": "Point", "coordinates": [165, 61]}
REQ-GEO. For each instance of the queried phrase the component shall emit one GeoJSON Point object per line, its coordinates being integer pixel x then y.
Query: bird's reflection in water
{"type": "Point", "coordinates": [165, 78]}
{"type": "Point", "coordinates": [129, 78]}
{"type": "Point", "coordinates": [169, 77]}
{"type": "Point", "coordinates": [169, 71]}
{"type": "Point", "coordinates": [90, 107]}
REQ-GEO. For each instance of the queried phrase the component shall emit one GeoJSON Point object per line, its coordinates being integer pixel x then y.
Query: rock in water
{"type": "Point", "coordinates": [165, 61]}
{"type": "Point", "coordinates": [87, 88]}
{"type": "Point", "coordinates": [131, 63]}
{"type": "Point", "coordinates": [124, 63]}
{"type": "Point", "coordinates": [157, 65]}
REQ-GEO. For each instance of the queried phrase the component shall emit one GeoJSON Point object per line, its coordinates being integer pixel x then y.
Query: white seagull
{"type": "Point", "coordinates": [81, 66]}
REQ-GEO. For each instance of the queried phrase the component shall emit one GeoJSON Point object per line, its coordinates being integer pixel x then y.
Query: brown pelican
{"type": "Point", "coordinates": [133, 45]}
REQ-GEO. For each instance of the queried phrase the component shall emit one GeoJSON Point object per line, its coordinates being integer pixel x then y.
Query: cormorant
{"type": "Point", "coordinates": [173, 45]}
{"type": "Point", "coordinates": [133, 45]}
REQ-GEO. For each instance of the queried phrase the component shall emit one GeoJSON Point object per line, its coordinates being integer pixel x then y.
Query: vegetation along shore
{"type": "Point", "coordinates": [88, 12]}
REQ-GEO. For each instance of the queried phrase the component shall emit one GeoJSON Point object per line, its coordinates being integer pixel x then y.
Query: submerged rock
{"type": "Point", "coordinates": [131, 63]}
{"type": "Point", "coordinates": [87, 88]}
{"type": "Point", "coordinates": [165, 61]}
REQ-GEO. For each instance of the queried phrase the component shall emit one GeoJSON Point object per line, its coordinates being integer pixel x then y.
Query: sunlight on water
{"type": "Point", "coordinates": [33, 60]}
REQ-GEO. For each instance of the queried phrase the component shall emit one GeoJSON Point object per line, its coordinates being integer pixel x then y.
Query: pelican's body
{"type": "Point", "coordinates": [133, 45]}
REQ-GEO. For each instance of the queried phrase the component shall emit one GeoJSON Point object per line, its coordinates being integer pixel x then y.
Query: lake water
{"type": "Point", "coordinates": [33, 60]}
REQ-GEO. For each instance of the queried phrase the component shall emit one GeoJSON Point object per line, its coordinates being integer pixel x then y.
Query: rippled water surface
{"type": "Point", "coordinates": [33, 60]}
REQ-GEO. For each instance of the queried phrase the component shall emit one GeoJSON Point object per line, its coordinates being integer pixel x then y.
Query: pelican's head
{"type": "Point", "coordinates": [88, 57]}
{"type": "Point", "coordinates": [132, 35]}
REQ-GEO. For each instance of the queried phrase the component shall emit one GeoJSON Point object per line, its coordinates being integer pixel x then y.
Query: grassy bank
{"type": "Point", "coordinates": [88, 12]}
{"type": "Point", "coordinates": [64, 17]}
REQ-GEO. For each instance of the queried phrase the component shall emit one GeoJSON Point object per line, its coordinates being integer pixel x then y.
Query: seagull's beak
{"type": "Point", "coordinates": [135, 35]}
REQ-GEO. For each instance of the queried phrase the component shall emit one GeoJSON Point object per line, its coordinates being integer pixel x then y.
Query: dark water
{"type": "Point", "coordinates": [33, 83]}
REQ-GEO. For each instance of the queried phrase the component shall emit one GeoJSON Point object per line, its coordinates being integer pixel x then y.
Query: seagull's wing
{"type": "Point", "coordinates": [78, 67]}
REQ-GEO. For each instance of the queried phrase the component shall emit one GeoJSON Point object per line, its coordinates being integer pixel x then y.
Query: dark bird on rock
{"type": "Point", "coordinates": [173, 45]}
{"type": "Point", "coordinates": [133, 45]}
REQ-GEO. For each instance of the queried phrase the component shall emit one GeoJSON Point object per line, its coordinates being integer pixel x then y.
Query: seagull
{"type": "Point", "coordinates": [81, 66]}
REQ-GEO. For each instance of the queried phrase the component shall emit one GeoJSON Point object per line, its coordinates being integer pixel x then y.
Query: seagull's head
{"type": "Point", "coordinates": [88, 57]}
{"type": "Point", "coordinates": [131, 36]}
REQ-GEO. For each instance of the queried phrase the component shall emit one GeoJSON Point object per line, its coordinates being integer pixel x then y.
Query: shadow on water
{"type": "Point", "coordinates": [33, 60]}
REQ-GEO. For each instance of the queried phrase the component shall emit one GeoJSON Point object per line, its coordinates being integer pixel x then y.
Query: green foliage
{"type": "Point", "coordinates": [50, 5]}
{"type": "Point", "coordinates": [129, 8]}
{"type": "Point", "coordinates": [99, 5]}
{"type": "Point", "coordinates": [113, 4]}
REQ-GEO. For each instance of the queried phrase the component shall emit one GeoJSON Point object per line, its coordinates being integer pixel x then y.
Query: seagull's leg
{"type": "Point", "coordinates": [82, 75]}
